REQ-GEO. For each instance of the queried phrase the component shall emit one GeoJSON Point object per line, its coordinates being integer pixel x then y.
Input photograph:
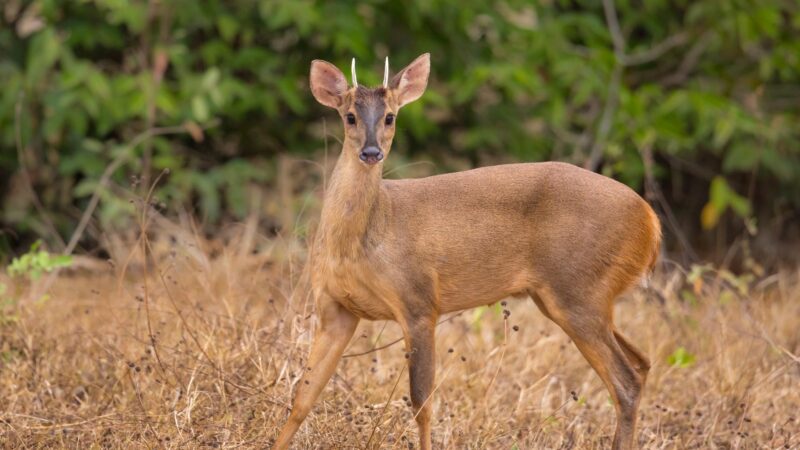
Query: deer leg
{"type": "Point", "coordinates": [622, 379]}
{"type": "Point", "coordinates": [336, 327]}
{"type": "Point", "coordinates": [639, 361]}
{"type": "Point", "coordinates": [421, 368]}
{"type": "Point", "coordinates": [622, 368]}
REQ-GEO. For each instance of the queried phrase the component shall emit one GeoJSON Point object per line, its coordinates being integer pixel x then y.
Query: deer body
{"type": "Point", "coordinates": [479, 236]}
{"type": "Point", "coordinates": [411, 250]}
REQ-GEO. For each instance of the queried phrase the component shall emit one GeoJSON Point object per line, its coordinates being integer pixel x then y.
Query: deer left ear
{"type": "Point", "coordinates": [410, 83]}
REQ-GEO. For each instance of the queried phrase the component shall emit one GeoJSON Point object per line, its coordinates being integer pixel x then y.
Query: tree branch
{"type": "Point", "coordinates": [612, 97]}
{"type": "Point", "coordinates": [689, 61]}
{"type": "Point", "coordinates": [609, 109]}
{"type": "Point", "coordinates": [657, 50]}
{"type": "Point", "coordinates": [613, 28]}
{"type": "Point", "coordinates": [622, 60]}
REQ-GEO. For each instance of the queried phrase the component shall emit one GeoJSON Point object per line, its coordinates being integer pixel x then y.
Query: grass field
{"type": "Point", "coordinates": [202, 348]}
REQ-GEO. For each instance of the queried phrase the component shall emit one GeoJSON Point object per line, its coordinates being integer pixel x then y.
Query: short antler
{"type": "Point", "coordinates": [386, 74]}
{"type": "Point", "coordinates": [353, 72]}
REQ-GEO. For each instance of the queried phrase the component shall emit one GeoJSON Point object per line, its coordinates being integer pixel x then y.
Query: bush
{"type": "Point", "coordinates": [709, 87]}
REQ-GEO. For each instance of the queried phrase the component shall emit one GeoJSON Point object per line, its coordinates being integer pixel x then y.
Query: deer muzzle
{"type": "Point", "coordinates": [371, 155]}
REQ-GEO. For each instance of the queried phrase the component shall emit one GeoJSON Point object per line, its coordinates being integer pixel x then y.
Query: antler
{"type": "Point", "coordinates": [386, 74]}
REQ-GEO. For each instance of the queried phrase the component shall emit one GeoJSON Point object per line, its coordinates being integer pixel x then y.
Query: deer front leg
{"type": "Point", "coordinates": [421, 368]}
{"type": "Point", "coordinates": [336, 327]}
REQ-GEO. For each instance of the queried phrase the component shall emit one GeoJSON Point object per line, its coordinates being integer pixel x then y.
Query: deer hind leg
{"type": "Point", "coordinates": [336, 327]}
{"type": "Point", "coordinates": [622, 368]}
{"type": "Point", "coordinates": [639, 361]}
{"type": "Point", "coordinates": [420, 345]}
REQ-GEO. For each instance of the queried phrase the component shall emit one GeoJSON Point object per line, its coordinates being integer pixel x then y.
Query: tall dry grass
{"type": "Point", "coordinates": [203, 346]}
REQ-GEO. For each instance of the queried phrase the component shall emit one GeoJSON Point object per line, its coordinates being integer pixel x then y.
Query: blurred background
{"type": "Point", "coordinates": [162, 164]}
{"type": "Point", "coordinates": [695, 104]}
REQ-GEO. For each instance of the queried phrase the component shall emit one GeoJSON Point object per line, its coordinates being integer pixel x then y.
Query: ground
{"type": "Point", "coordinates": [203, 346]}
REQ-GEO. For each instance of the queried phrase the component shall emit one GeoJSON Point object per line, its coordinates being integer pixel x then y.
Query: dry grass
{"type": "Point", "coordinates": [205, 351]}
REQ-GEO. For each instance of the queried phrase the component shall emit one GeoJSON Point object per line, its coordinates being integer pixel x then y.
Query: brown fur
{"type": "Point", "coordinates": [411, 250]}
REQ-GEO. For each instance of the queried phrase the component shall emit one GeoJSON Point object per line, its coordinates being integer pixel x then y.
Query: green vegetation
{"type": "Point", "coordinates": [709, 88]}
{"type": "Point", "coordinates": [681, 358]}
{"type": "Point", "coordinates": [30, 266]}
{"type": "Point", "coordinates": [37, 262]}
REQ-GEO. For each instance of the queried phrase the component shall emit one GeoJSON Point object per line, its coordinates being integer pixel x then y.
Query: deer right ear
{"type": "Point", "coordinates": [328, 84]}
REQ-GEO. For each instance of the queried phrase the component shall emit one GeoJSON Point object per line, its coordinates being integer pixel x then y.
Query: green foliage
{"type": "Point", "coordinates": [724, 283]}
{"type": "Point", "coordinates": [681, 358]}
{"type": "Point", "coordinates": [722, 197]}
{"type": "Point", "coordinates": [31, 265]}
{"type": "Point", "coordinates": [510, 81]}
{"type": "Point", "coordinates": [37, 262]}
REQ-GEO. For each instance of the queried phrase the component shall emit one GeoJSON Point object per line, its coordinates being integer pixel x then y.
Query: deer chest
{"type": "Point", "coordinates": [355, 285]}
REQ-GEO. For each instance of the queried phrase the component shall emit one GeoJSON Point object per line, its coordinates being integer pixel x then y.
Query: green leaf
{"type": "Point", "coordinates": [681, 358]}
{"type": "Point", "coordinates": [739, 204]}
{"type": "Point", "coordinates": [778, 164]}
{"type": "Point", "coordinates": [35, 262]}
{"type": "Point", "coordinates": [42, 55]}
{"type": "Point", "coordinates": [200, 109]}
{"type": "Point", "coordinates": [723, 130]}
{"type": "Point", "coordinates": [288, 90]}
{"type": "Point", "coordinates": [719, 193]}
{"type": "Point", "coordinates": [722, 196]}
{"type": "Point", "coordinates": [741, 157]}
{"type": "Point", "coordinates": [61, 261]}
{"type": "Point", "coordinates": [228, 27]}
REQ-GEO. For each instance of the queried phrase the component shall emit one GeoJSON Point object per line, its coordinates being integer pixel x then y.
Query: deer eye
{"type": "Point", "coordinates": [389, 119]}
{"type": "Point", "coordinates": [351, 119]}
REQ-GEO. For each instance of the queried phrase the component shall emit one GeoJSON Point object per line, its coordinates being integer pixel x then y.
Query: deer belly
{"type": "Point", "coordinates": [485, 282]}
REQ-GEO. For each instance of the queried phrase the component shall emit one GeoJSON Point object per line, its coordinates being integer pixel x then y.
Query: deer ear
{"type": "Point", "coordinates": [410, 83]}
{"type": "Point", "coordinates": [328, 84]}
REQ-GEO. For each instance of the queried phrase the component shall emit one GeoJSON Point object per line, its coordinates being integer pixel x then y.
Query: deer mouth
{"type": "Point", "coordinates": [372, 159]}
{"type": "Point", "coordinates": [371, 155]}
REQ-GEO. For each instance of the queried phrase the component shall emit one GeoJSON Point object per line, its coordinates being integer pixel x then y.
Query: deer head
{"type": "Point", "coordinates": [368, 114]}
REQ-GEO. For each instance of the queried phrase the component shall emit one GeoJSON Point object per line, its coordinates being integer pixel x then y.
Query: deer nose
{"type": "Point", "coordinates": [371, 155]}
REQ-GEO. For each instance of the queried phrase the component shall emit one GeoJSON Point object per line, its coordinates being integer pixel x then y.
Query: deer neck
{"type": "Point", "coordinates": [352, 204]}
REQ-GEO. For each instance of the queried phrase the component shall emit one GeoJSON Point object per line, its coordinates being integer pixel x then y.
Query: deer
{"type": "Point", "coordinates": [412, 250]}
